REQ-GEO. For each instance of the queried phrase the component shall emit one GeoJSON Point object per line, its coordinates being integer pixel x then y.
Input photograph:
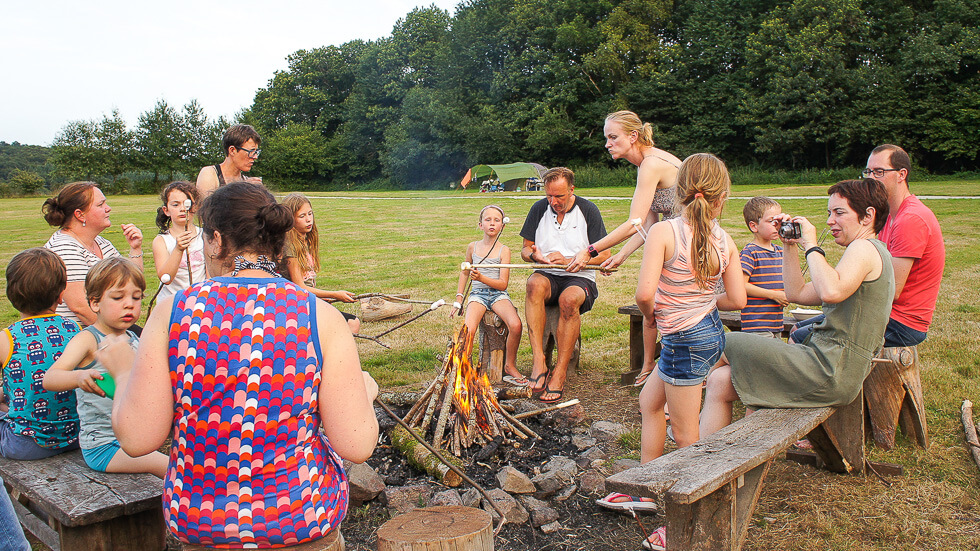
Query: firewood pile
{"type": "Point", "coordinates": [459, 408]}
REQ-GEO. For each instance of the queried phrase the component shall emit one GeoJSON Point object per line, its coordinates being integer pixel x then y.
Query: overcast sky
{"type": "Point", "coordinates": [62, 61]}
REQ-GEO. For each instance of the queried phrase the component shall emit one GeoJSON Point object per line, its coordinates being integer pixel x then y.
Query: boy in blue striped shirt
{"type": "Point", "coordinates": [762, 262]}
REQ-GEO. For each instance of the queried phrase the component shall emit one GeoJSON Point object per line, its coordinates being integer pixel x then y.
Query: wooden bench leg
{"type": "Point", "coordinates": [839, 441]}
{"type": "Point", "coordinates": [552, 314]}
{"type": "Point", "coordinates": [493, 345]}
{"type": "Point", "coordinates": [718, 521]}
{"type": "Point", "coordinates": [118, 534]}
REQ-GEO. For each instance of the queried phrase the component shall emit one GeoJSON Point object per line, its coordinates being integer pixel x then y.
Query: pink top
{"type": "Point", "coordinates": [679, 303]}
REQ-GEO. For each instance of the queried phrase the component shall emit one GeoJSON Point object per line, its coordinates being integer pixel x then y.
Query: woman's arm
{"type": "Point", "coordinates": [346, 393]}
{"type": "Point", "coordinates": [295, 274]}
{"type": "Point", "coordinates": [734, 297]}
{"type": "Point", "coordinates": [654, 254]}
{"type": "Point", "coordinates": [833, 284]}
{"type": "Point", "coordinates": [62, 375]}
{"type": "Point", "coordinates": [74, 298]}
{"type": "Point", "coordinates": [143, 408]}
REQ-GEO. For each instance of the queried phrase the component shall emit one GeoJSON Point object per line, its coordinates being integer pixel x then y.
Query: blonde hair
{"type": "Point", "coordinates": [702, 183]}
{"type": "Point", "coordinates": [299, 243]}
{"type": "Point", "coordinates": [631, 122]}
{"type": "Point", "coordinates": [108, 273]}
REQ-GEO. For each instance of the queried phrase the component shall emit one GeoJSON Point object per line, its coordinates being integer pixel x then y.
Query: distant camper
{"type": "Point", "coordinates": [241, 145]}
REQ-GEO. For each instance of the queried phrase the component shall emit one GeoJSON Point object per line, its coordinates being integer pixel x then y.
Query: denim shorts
{"type": "Point", "coordinates": [99, 458]}
{"type": "Point", "coordinates": [487, 296]}
{"type": "Point", "coordinates": [687, 355]}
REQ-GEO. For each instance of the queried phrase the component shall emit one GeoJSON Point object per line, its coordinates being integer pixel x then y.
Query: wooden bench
{"type": "Point", "coordinates": [69, 506]}
{"type": "Point", "coordinates": [731, 320]}
{"type": "Point", "coordinates": [711, 488]}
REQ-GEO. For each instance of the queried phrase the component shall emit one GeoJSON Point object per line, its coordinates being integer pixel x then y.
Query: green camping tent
{"type": "Point", "coordinates": [512, 176]}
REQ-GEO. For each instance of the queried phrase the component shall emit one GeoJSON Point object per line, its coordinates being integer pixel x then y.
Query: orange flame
{"type": "Point", "coordinates": [471, 387]}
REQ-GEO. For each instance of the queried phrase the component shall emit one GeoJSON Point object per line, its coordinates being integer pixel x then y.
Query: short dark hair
{"type": "Point", "coordinates": [115, 270]}
{"type": "Point", "coordinates": [861, 194]}
{"type": "Point", "coordinates": [248, 218]}
{"type": "Point", "coordinates": [237, 135]}
{"type": "Point", "coordinates": [35, 280]}
{"type": "Point", "coordinates": [557, 173]}
{"type": "Point", "coordinates": [755, 207]}
{"type": "Point", "coordinates": [897, 157]}
{"type": "Point", "coordinates": [60, 209]}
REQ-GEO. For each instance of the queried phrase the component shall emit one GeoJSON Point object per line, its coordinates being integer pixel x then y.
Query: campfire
{"type": "Point", "coordinates": [459, 408]}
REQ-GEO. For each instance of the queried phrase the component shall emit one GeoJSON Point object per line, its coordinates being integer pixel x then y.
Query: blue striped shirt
{"type": "Point", "coordinates": [765, 269]}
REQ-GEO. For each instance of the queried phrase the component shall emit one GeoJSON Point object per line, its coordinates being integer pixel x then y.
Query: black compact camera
{"type": "Point", "coordinates": [790, 230]}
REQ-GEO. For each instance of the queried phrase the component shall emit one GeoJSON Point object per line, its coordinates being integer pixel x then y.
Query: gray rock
{"type": "Point", "coordinates": [547, 484]}
{"type": "Point", "coordinates": [570, 416]}
{"type": "Point", "coordinates": [621, 465]}
{"type": "Point", "coordinates": [446, 497]}
{"type": "Point", "coordinates": [605, 431]}
{"type": "Point", "coordinates": [586, 458]}
{"type": "Point", "coordinates": [563, 466]}
{"type": "Point", "coordinates": [592, 482]}
{"type": "Point", "coordinates": [513, 511]}
{"type": "Point", "coordinates": [365, 482]}
{"type": "Point", "coordinates": [385, 422]}
{"type": "Point", "coordinates": [543, 515]}
{"type": "Point", "coordinates": [407, 498]}
{"type": "Point", "coordinates": [551, 528]}
{"type": "Point", "coordinates": [515, 482]}
{"type": "Point", "coordinates": [531, 503]}
{"type": "Point", "coordinates": [566, 492]}
{"type": "Point", "coordinates": [471, 498]}
{"type": "Point", "coordinates": [583, 442]}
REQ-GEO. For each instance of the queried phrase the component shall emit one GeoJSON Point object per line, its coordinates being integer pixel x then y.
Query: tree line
{"type": "Point", "coordinates": [792, 84]}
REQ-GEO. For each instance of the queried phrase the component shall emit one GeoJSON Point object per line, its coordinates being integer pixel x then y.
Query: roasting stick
{"type": "Point", "coordinates": [187, 208]}
{"type": "Point", "coordinates": [468, 266]}
{"type": "Point", "coordinates": [638, 224]}
{"type": "Point", "coordinates": [375, 338]}
{"type": "Point", "coordinates": [164, 280]}
{"type": "Point", "coordinates": [547, 409]}
{"type": "Point", "coordinates": [454, 468]}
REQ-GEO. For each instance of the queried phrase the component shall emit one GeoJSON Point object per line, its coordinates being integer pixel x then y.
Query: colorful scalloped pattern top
{"type": "Point", "coordinates": [249, 465]}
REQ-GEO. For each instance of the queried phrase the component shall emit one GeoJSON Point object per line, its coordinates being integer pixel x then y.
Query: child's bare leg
{"type": "Point", "coordinates": [718, 400]}
{"type": "Point", "coordinates": [685, 405]}
{"type": "Point", "coordinates": [508, 313]}
{"type": "Point", "coordinates": [474, 313]}
{"type": "Point", "coordinates": [153, 463]}
{"type": "Point", "coordinates": [355, 325]}
{"type": "Point", "coordinates": [653, 433]}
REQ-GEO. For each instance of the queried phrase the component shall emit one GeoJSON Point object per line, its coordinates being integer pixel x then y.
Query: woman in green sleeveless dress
{"type": "Point", "coordinates": [829, 367]}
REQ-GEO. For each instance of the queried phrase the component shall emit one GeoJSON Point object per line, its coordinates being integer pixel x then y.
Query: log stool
{"type": "Point", "coordinates": [552, 313]}
{"type": "Point", "coordinates": [438, 528]}
{"type": "Point", "coordinates": [333, 541]}
{"type": "Point", "coordinates": [893, 394]}
{"type": "Point", "coordinates": [493, 345]}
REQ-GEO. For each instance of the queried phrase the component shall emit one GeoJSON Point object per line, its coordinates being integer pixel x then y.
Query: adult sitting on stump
{"type": "Point", "coordinates": [259, 384]}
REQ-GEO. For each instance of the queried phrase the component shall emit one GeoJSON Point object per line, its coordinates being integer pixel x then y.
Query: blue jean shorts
{"type": "Point", "coordinates": [687, 355]}
{"type": "Point", "coordinates": [487, 296]}
{"type": "Point", "coordinates": [99, 458]}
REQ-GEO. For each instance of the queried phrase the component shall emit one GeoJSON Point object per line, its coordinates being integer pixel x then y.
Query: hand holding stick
{"type": "Point", "coordinates": [467, 266]}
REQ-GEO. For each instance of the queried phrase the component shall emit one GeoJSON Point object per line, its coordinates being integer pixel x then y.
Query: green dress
{"type": "Point", "coordinates": [829, 367]}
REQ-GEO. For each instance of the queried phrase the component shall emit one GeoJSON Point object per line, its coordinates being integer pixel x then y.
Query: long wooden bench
{"type": "Point", "coordinates": [70, 507]}
{"type": "Point", "coordinates": [711, 488]}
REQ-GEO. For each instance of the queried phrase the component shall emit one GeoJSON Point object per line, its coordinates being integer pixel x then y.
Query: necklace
{"type": "Point", "coordinates": [94, 248]}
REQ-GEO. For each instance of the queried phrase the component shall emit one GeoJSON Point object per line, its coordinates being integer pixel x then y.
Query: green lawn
{"type": "Point", "coordinates": [414, 242]}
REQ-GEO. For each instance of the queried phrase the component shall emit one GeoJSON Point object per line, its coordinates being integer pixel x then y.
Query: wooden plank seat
{"type": "Point", "coordinates": [710, 489]}
{"type": "Point", "coordinates": [69, 506]}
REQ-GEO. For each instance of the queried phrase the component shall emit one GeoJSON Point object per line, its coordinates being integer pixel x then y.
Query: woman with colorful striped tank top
{"type": "Point", "coordinates": [258, 383]}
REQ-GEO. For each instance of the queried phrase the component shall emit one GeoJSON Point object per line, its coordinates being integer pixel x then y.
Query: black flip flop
{"type": "Point", "coordinates": [560, 392]}
{"type": "Point", "coordinates": [531, 381]}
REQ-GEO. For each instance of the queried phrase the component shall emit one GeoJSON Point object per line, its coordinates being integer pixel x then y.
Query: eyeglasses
{"type": "Point", "coordinates": [877, 172]}
{"type": "Point", "coordinates": [253, 153]}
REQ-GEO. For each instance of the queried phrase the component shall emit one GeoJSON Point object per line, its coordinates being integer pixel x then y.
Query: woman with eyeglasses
{"type": "Point", "coordinates": [241, 145]}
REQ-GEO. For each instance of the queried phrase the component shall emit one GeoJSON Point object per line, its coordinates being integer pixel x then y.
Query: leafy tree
{"type": "Point", "coordinates": [28, 183]}
{"type": "Point", "coordinates": [160, 141]}
{"type": "Point", "coordinates": [75, 151]}
{"type": "Point", "coordinates": [294, 156]}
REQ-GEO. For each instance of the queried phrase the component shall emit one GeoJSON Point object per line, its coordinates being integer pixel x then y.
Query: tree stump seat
{"type": "Point", "coordinates": [550, 339]}
{"type": "Point", "coordinates": [437, 529]}
{"type": "Point", "coordinates": [493, 345]}
{"type": "Point", "coordinates": [69, 506]}
{"type": "Point", "coordinates": [893, 397]}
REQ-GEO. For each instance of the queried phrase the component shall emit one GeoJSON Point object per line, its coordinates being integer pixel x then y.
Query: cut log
{"type": "Point", "coordinates": [423, 459]}
{"type": "Point", "coordinates": [377, 309]}
{"type": "Point", "coordinates": [493, 344]}
{"type": "Point", "coordinates": [400, 399]}
{"type": "Point", "coordinates": [970, 431]}
{"type": "Point", "coordinates": [437, 529]}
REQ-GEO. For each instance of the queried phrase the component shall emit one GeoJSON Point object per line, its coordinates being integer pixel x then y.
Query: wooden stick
{"type": "Point", "coordinates": [970, 430]}
{"type": "Point", "coordinates": [467, 266]}
{"type": "Point", "coordinates": [523, 428]}
{"type": "Point", "coordinates": [432, 307]}
{"type": "Point", "coordinates": [392, 298]}
{"type": "Point", "coordinates": [547, 409]}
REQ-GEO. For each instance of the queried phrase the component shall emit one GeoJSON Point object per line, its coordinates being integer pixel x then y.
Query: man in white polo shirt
{"type": "Point", "coordinates": [556, 229]}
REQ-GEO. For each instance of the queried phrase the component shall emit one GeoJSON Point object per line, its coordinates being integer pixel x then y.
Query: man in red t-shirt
{"type": "Point", "coordinates": [915, 241]}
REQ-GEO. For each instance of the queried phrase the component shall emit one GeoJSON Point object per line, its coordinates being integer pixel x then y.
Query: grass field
{"type": "Point", "coordinates": [414, 241]}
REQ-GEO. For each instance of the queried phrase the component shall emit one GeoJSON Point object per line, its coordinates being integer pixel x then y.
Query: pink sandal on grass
{"type": "Point", "coordinates": [660, 543]}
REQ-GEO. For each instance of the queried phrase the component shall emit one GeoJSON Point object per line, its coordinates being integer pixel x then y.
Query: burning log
{"type": "Point", "coordinates": [459, 408]}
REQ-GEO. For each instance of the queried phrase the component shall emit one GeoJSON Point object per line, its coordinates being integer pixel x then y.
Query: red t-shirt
{"type": "Point", "coordinates": [913, 232]}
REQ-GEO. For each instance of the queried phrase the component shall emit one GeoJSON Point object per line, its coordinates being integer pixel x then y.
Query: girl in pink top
{"type": "Point", "coordinates": [683, 260]}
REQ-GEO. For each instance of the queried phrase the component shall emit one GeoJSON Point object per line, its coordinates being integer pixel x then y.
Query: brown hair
{"type": "Point", "coordinates": [862, 194]}
{"type": "Point", "coordinates": [248, 218]}
{"type": "Point", "coordinates": [237, 135]}
{"type": "Point", "coordinates": [557, 173]}
{"type": "Point", "coordinates": [898, 158]}
{"type": "Point", "coordinates": [35, 280]}
{"type": "Point", "coordinates": [60, 209]}
{"type": "Point", "coordinates": [187, 188]}
{"type": "Point", "coordinates": [302, 244]}
{"type": "Point", "coordinates": [755, 207]}
{"type": "Point", "coordinates": [702, 182]}
{"type": "Point", "coordinates": [110, 272]}
{"type": "Point", "coordinates": [631, 122]}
